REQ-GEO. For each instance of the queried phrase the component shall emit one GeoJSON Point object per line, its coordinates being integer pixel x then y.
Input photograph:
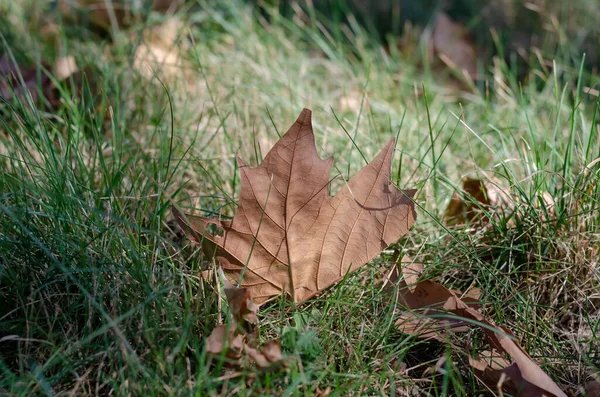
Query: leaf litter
{"type": "Point", "coordinates": [288, 236]}
{"type": "Point", "coordinates": [18, 80]}
{"type": "Point", "coordinates": [438, 313]}
{"type": "Point", "coordinates": [237, 339]}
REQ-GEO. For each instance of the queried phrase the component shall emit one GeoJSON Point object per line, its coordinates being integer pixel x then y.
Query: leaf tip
{"type": "Point", "coordinates": [305, 116]}
{"type": "Point", "coordinates": [240, 162]}
{"type": "Point", "coordinates": [179, 217]}
{"type": "Point", "coordinates": [410, 193]}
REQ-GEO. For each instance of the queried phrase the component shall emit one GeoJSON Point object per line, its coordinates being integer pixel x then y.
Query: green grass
{"type": "Point", "coordinates": [98, 297]}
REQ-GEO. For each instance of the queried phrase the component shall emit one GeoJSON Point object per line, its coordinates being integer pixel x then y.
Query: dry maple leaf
{"type": "Point", "coordinates": [289, 235]}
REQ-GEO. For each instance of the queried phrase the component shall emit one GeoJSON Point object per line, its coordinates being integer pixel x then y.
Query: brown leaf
{"type": "Point", "coordinates": [592, 389]}
{"type": "Point", "coordinates": [425, 327]}
{"type": "Point", "coordinates": [272, 351]}
{"type": "Point", "coordinates": [64, 67]}
{"type": "Point", "coordinates": [241, 305]}
{"type": "Point", "coordinates": [242, 350]}
{"type": "Point", "coordinates": [522, 376]}
{"type": "Point", "coordinates": [526, 376]}
{"type": "Point", "coordinates": [454, 45]}
{"type": "Point", "coordinates": [484, 194]}
{"type": "Point", "coordinates": [159, 53]}
{"type": "Point", "coordinates": [19, 80]}
{"type": "Point", "coordinates": [488, 360]}
{"type": "Point", "coordinates": [219, 339]}
{"type": "Point", "coordinates": [547, 202]}
{"type": "Point", "coordinates": [418, 295]}
{"type": "Point", "coordinates": [428, 296]}
{"type": "Point", "coordinates": [323, 393]}
{"type": "Point", "coordinates": [267, 355]}
{"type": "Point", "coordinates": [411, 271]}
{"type": "Point", "coordinates": [489, 367]}
{"type": "Point", "coordinates": [487, 195]}
{"type": "Point", "coordinates": [289, 236]}
{"type": "Point", "coordinates": [353, 102]}
{"type": "Point", "coordinates": [36, 82]}
{"type": "Point", "coordinates": [216, 340]}
{"type": "Point", "coordinates": [237, 340]}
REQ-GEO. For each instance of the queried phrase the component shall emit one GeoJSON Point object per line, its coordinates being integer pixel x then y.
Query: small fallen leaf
{"type": "Point", "coordinates": [222, 339]}
{"type": "Point", "coordinates": [425, 327]}
{"type": "Point", "coordinates": [411, 271]}
{"type": "Point", "coordinates": [267, 355]}
{"type": "Point", "coordinates": [241, 305]}
{"type": "Point", "coordinates": [64, 67]}
{"type": "Point", "coordinates": [547, 204]}
{"type": "Point", "coordinates": [353, 102]}
{"type": "Point", "coordinates": [19, 80]}
{"type": "Point", "coordinates": [485, 197]}
{"type": "Point", "coordinates": [288, 235]}
{"type": "Point", "coordinates": [323, 393]}
{"type": "Point", "coordinates": [237, 340]}
{"type": "Point", "coordinates": [215, 343]}
{"type": "Point", "coordinates": [272, 351]}
{"type": "Point", "coordinates": [455, 46]}
{"type": "Point", "coordinates": [159, 54]}
{"type": "Point", "coordinates": [489, 367]}
{"type": "Point", "coordinates": [489, 360]}
{"type": "Point", "coordinates": [482, 195]}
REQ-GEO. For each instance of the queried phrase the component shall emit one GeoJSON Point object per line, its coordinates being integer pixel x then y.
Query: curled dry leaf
{"type": "Point", "coordinates": [64, 67]}
{"type": "Point", "coordinates": [239, 349]}
{"type": "Point", "coordinates": [224, 338]}
{"type": "Point", "coordinates": [236, 340]}
{"type": "Point", "coordinates": [488, 365]}
{"type": "Point", "coordinates": [428, 297]}
{"type": "Point", "coordinates": [483, 195]}
{"type": "Point", "coordinates": [266, 355]}
{"type": "Point", "coordinates": [523, 376]}
{"type": "Point", "coordinates": [546, 201]}
{"type": "Point", "coordinates": [486, 196]}
{"type": "Point", "coordinates": [288, 235]}
{"type": "Point", "coordinates": [241, 305]}
{"type": "Point", "coordinates": [353, 102]}
{"type": "Point", "coordinates": [323, 393]}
